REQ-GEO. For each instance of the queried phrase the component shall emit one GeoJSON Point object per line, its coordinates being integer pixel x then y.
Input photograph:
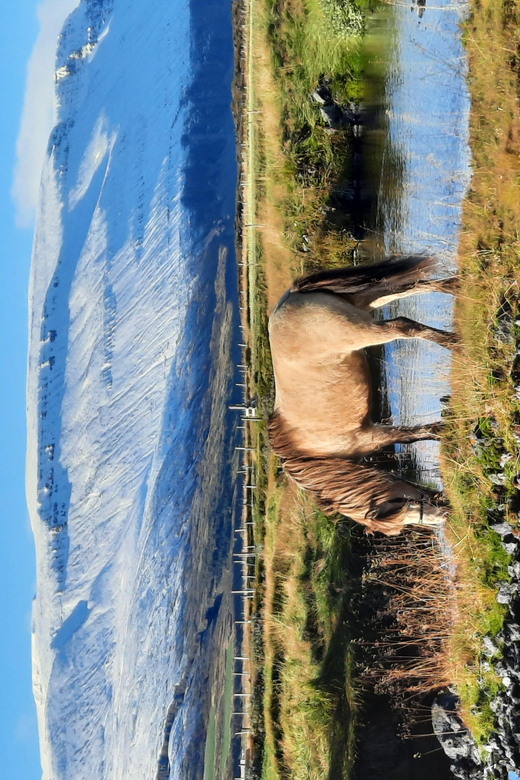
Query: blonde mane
{"type": "Point", "coordinates": [363, 493]}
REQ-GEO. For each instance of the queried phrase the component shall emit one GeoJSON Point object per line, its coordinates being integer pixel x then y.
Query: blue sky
{"type": "Point", "coordinates": [19, 752]}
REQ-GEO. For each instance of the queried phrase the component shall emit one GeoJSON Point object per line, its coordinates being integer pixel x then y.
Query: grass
{"type": "Point", "coordinates": [210, 748]}
{"type": "Point", "coordinates": [228, 709]}
{"type": "Point", "coordinates": [481, 455]}
{"type": "Point", "coordinates": [309, 702]}
{"type": "Point", "coordinates": [303, 163]}
{"type": "Point", "coordinates": [304, 700]}
{"type": "Point", "coordinates": [305, 697]}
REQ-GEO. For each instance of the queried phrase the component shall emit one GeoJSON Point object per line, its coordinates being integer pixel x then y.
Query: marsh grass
{"type": "Point", "coordinates": [411, 576]}
{"type": "Point", "coordinates": [311, 162]}
{"type": "Point", "coordinates": [483, 418]}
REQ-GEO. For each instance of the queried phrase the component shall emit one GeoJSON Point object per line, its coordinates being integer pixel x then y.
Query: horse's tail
{"type": "Point", "coordinates": [391, 273]}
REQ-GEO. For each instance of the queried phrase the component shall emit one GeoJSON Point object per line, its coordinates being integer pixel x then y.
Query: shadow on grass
{"type": "Point", "coordinates": [336, 674]}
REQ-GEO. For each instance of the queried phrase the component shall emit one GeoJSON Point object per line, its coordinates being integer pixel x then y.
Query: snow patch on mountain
{"type": "Point", "coordinates": [129, 373]}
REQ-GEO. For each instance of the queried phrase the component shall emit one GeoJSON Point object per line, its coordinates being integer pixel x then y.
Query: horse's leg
{"type": "Point", "coordinates": [374, 437]}
{"type": "Point", "coordinates": [403, 328]}
{"type": "Point", "coordinates": [449, 286]}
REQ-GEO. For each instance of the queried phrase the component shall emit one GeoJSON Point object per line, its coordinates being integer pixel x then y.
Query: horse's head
{"type": "Point", "coordinates": [376, 499]}
{"type": "Point", "coordinates": [424, 513]}
{"type": "Point", "coordinates": [406, 504]}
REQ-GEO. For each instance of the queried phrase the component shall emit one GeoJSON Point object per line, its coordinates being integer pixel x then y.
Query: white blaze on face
{"type": "Point", "coordinates": [424, 514]}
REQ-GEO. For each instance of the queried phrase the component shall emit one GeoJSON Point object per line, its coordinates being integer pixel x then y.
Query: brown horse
{"type": "Point", "coordinates": [321, 425]}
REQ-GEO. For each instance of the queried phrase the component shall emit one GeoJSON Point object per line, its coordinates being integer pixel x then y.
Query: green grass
{"type": "Point", "coordinates": [210, 748]}
{"type": "Point", "coordinates": [305, 50]}
{"type": "Point", "coordinates": [309, 701]}
{"type": "Point", "coordinates": [228, 709]}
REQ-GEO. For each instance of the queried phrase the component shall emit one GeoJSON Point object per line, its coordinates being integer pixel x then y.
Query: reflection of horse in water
{"type": "Point", "coordinates": [421, 7]}
{"type": "Point", "coordinates": [321, 424]}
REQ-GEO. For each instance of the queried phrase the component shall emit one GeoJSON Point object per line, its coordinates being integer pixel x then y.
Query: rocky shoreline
{"type": "Point", "coordinates": [501, 754]}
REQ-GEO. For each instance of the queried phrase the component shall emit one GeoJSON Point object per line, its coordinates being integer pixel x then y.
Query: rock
{"type": "Point", "coordinates": [335, 116]}
{"type": "Point", "coordinates": [495, 705]}
{"type": "Point", "coordinates": [511, 546]}
{"type": "Point", "coordinates": [318, 98]}
{"type": "Point", "coordinates": [456, 741]}
{"type": "Point", "coordinates": [514, 570]}
{"type": "Point", "coordinates": [497, 478]}
{"type": "Point", "coordinates": [503, 331]}
{"type": "Point", "coordinates": [489, 648]}
{"type": "Point", "coordinates": [502, 529]}
{"type": "Point", "coordinates": [323, 94]}
{"type": "Point", "coordinates": [512, 631]}
{"type": "Point", "coordinates": [507, 592]}
{"type": "Point", "coordinates": [515, 699]}
{"type": "Point", "coordinates": [477, 448]}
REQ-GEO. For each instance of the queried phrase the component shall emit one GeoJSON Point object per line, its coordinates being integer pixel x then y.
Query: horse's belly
{"type": "Point", "coordinates": [325, 404]}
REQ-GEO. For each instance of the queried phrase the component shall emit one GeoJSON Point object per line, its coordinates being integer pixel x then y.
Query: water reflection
{"type": "Point", "coordinates": [424, 175]}
{"type": "Point", "coordinates": [421, 7]}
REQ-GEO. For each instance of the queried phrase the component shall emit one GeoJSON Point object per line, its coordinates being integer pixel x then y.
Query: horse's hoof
{"type": "Point", "coordinates": [449, 340]}
{"type": "Point", "coordinates": [437, 428]}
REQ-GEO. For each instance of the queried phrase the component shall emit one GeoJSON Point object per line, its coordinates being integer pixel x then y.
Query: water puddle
{"type": "Point", "coordinates": [418, 132]}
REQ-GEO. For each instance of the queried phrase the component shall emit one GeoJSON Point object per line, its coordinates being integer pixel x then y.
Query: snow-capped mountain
{"type": "Point", "coordinates": [130, 371]}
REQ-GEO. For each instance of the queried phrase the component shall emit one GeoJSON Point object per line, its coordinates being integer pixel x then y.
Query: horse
{"type": "Point", "coordinates": [321, 425]}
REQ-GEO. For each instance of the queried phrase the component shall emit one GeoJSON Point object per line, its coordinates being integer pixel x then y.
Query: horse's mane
{"type": "Point", "coordinates": [360, 492]}
{"type": "Point", "coordinates": [280, 437]}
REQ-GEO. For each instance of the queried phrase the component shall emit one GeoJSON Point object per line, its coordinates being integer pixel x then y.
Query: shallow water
{"type": "Point", "coordinates": [420, 132]}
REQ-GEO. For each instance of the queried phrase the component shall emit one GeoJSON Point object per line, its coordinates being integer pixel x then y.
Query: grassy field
{"type": "Point", "coordinates": [228, 709]}
{"type": "Point", "coordinates": [299, 162]}
{"type": "Point", "coordinates": [481, 446]}
{"type": "Point", "coordinates": [210, 748]}
{"type": "Point", "coordinates": [305, 699]}
{"type": "Point", "coordinates": [309, 701]}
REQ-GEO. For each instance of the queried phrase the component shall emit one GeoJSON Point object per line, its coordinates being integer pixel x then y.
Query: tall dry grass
{"type": "Point", "coordinates": [409, 583]}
